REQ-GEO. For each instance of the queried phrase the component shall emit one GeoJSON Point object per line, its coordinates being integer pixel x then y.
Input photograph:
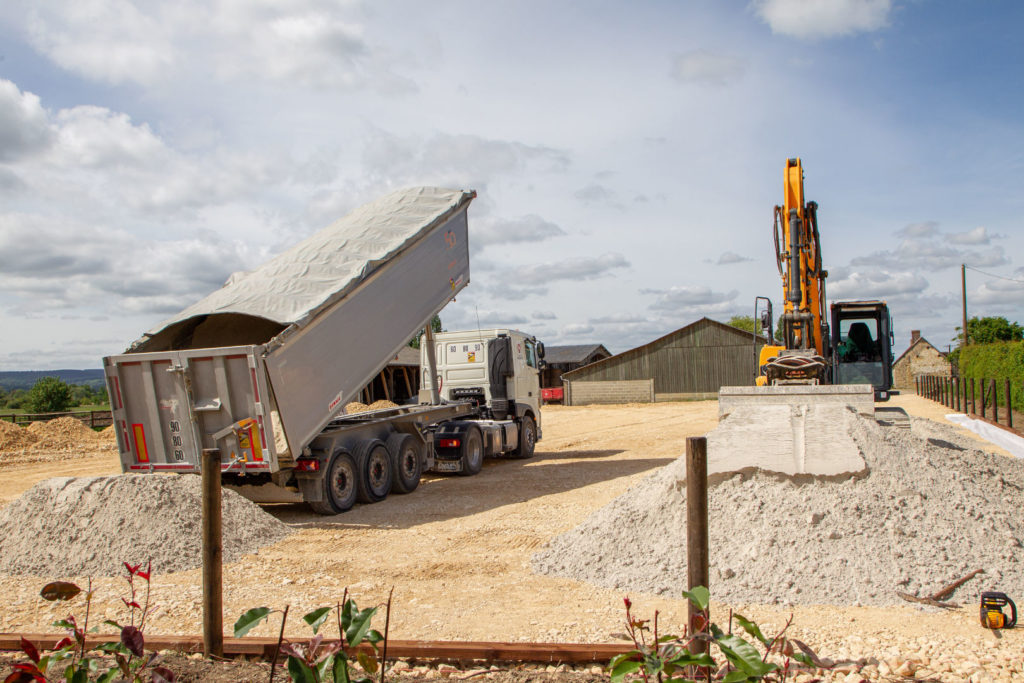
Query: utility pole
{"type": "Point", "coordinates": [963, 290]}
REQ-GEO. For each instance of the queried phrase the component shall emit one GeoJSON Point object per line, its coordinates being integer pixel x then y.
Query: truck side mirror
{"type": "Point", "coordinates": [540, 349]}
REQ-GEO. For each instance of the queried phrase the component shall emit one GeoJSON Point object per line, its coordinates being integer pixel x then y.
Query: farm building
{"type": "Point", "coordinates": [562, 359]}
{"type": "Point", "coordinates": [692, 362]}
{"type": "Point", "coordinates": [920, 358]}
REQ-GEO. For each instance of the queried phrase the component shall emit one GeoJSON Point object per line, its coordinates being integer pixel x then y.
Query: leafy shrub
{"type": "Point", "coordinates": [999, 361]}
{"type": "Point", "coordinates": [49, 395]}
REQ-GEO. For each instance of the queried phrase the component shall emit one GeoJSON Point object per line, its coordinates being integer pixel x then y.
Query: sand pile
{"type": "Point", "coordinates": [14, 438]}
{"type": "Point", "coordinates": [930, 509]}
{"type": "Point", "coordinates": [63, 434]}
{"type": "Point", "coordinates": [357, 407]}
{"type": "Point", "coordinates": [90, 525]}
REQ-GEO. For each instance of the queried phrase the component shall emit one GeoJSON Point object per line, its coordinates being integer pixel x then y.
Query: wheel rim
{"type": "Point", "coordinates": [531, 438]}
{"type": "Point", "coordinates": [475, 451]}
{"type": "Point", "coordinates": [408, 463]}
{"type": "Point", "coordinates": [342, 481]}
{"type": "Point", "coordinates": [377, 470]}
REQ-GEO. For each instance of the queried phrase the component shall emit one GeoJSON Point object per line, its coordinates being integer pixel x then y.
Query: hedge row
{"type": "Point", "coordinates": [999, 361]}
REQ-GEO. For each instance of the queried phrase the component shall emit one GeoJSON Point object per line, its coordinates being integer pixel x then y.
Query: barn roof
{"type": "Point", "coordinates": [574, 353]}
{"type": "Point", "coordinates": [729, 329]}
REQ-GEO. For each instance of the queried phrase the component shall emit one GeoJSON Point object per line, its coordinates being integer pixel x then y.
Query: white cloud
{"type": "Point", "coordinates": [811, 19]}
{"type": "Point", "coordinates": [577, 268]}
{"type": "Point", "coordinates": [460, 160]}
{"type": "Point", "coordinates": [978, 235]}
{"type": "Point", "coordinates": [875, 283]}
{"type": "Point", "coordinates": [924, 229]}
{"type": "Point", "coordinates": [501, 319]}
{"type": "Point", "coordinates": [529, 228]}
{"type": "Point", "coordinates": [691, 299]}
{"type": "Point", "coordinates": [706, 67]}
{"type": "Point", "coordinates": [317, 43]}
{"type": "Point", "coordinates": [24, 128]}
{"type": "Point", "coordinates": [593, 194]}
{"type": "Point", "coordinates": [544, 315]}
{"type": "Point", "coordinates": [730, 257]}
{"type": "Point", "coordinates": [576, 330]}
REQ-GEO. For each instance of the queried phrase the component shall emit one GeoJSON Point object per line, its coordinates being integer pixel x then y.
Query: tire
{"type": "Point", "coordinates": [527, 438]}
{"type": "Point", "coordinates": [340, 485]}
{"type": "Point", "coordinates": [406, 462]}
{"type": "Point", "coordinates": [472, 452]}
{"type": "Point", "coordinates": [373, 482]}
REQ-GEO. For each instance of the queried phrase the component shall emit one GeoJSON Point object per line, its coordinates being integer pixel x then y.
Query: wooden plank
{"type": "Point", "coordinates": [417, 649]}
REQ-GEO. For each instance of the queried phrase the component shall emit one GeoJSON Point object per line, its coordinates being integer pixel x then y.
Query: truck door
{"type": "Point", "coordinates": [527, 381]}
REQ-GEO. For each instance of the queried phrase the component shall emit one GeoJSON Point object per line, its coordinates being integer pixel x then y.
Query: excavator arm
{"type": "Point", "coordinates": [802, 356]}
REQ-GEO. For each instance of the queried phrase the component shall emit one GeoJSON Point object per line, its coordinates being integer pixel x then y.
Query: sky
{"type": "Point", "coordinates": [626, 156]}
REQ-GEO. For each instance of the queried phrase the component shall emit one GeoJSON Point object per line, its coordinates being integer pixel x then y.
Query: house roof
{"type": "Point", "coordinates": [406, 356]}
{"type": "Point", "coordinates": [575, 353]}
{"type": "Point", "coordinates": [919, 340]}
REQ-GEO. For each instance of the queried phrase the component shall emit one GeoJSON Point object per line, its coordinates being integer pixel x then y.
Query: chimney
{"type": "Point", "coordinates": [914, 336]}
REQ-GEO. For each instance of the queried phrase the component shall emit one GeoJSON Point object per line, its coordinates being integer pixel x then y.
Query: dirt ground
{"type": "Point", "coordinates": [457, 553]}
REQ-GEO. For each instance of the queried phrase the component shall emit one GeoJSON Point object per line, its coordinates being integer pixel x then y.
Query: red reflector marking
{"type": "Point", "coordinates": [117, 392]}
{"type": "Point", "coordinates": [141, 452]}
{"type": "Point", "coordinates": [449, 443]}
{"type": "Point", "coordinates": [255, 386]}
{"type": "Point", "coordinates": [307, 465]}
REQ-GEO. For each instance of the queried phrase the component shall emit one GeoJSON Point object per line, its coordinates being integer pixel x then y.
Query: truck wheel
{"type": "Point", "coordinates": [406, 461]}
{"type": "Point", "coordinates": [472, 456]}
{"type": "Point", "coordinates": [339, 485]}
{"type": "Point", "coordinates": [375, 473]}
{"type": "Point", "coordinates": [527, 438]}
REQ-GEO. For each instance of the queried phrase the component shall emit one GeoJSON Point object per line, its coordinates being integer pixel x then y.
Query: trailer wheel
{"type": "Point", "coordinates": [340, 486]}
{"type": "Point", "coordinates": [472, 455]}
{"type": "Point", "coordinates": [375, 471]}
{"type": "Point", "coordinates": [527, 438]}
{"type": "Point", "coordinates": [406, 461]}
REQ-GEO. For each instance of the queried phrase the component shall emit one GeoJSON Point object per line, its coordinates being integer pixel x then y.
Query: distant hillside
{"type": "Point", "coordinates": [24, 379]}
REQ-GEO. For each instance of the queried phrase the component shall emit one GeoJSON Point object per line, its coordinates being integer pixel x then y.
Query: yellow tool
{"type": "Point", "coordinates": [992, 604]}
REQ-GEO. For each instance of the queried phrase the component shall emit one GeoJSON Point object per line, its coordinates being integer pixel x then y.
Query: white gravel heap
{"type": "Point", "coordinates": [931, 509]}
{"type": "Point", "coordinates": [89, 526]}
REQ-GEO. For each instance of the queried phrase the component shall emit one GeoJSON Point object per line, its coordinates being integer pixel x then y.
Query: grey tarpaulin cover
{"type": "Point", "coordinates": [293, 287]}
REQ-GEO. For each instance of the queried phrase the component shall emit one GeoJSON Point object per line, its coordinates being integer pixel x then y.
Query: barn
{"type": "Point", "coordinates": [690, 363]}
{"type": "Point", "coordinates": [562, 359]}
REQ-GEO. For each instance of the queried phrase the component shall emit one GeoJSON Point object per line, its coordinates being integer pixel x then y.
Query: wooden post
{"type": "Point", "coordinates": [981, 390]}
{"type": "Point", "coordinates": [213, 551]}
{"type": "Point", "coordinates": [1009, 406]}
{"type": "Point", "coordinates": [995, 400]}
{"type": "Point", "coordinates": [974, 399]}
{"type": "Point", "coordinates": [956, 388]}
{"type": "Point", "coordinates": [697, 528]}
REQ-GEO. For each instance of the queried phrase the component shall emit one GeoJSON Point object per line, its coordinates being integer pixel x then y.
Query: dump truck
{"type": "Point", "coordinates": [261, 370]}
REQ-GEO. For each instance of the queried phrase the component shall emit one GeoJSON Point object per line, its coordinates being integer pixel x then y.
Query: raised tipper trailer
{"type": "Point", "coordinates": [261, 369]}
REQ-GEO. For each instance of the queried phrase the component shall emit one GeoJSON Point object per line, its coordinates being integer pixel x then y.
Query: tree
{"type": "Point", "coordinates": [986, 330]}
{"type": "Point", "coordinates": [435, 326]}
{"type": "Point", "coordinates": [745, 323]}
{"type": "Point", "coordinates": [49, 395]}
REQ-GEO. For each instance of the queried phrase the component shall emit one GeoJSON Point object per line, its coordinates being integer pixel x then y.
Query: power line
{"type": "Point", "coordinates": [991, 274]}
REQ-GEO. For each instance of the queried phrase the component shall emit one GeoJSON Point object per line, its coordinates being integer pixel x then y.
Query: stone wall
{"type": "Point", "coordinates": [921, 359]}
{"type": "Point", "coordinates": [580, 393]}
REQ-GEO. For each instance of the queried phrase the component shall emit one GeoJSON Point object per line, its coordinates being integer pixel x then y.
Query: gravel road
{"type": "Point", "coordinates": [457, 553]}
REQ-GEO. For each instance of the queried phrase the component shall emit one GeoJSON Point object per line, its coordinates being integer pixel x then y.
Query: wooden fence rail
{"type": "Point", "coordinates": [979, 399]}
{"type": "Point", "coordinates": [92, 418]}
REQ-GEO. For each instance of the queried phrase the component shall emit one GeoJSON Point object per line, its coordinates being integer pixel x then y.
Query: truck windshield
{"type": "Point", "coordinates": [531, 355]}
{"type": "Point", "coordinates": [859, 353]}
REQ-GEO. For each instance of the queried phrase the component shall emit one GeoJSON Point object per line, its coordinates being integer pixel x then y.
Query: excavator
{"type": "Point", "coordinates": [856, 348]}
{"type": "Point", "coordinates": [844, 357]}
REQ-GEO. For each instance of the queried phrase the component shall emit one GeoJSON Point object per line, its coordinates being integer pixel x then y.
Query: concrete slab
{"type": "Point", "coordinates": [860, 397]}
{"type": "Point", "coordinates": [799, 441]}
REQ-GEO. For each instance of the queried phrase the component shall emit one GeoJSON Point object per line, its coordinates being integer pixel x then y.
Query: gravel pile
{"type": "Point", "coordinates": [88, 526]}
{"type": "Point", "coordinates": [64, 435]}
{"type": "Point", "coordinates": [931, 509]}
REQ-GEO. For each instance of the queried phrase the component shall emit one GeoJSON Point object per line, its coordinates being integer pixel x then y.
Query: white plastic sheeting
{"type": "Point", "coordinates": [1000, 437]}
{"type": "Point", "coordinates": [294, 286]}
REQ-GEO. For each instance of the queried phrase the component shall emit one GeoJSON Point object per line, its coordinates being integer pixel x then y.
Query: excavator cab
{"type": "Point", "coordinates": [862, 342]}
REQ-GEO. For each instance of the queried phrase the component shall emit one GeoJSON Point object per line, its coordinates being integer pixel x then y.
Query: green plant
{"type": "Point", "coordinates": [317, 660]}
{"type": "Point", "coordinates": [49, 395]}
{"type": "Point", "coordinates": [681, 659]}
{"type": "Point", "coordinates": [131, 660]}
